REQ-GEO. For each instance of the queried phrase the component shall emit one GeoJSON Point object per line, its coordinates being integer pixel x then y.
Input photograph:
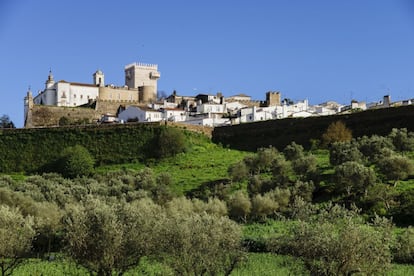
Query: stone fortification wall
{"type": "Point", "coordinates": [118, 94]}
{"type": "Point", "coordinates": [112, 107]}
{"type": "Point", "coordinates": [195, 128]}
{"type": "Point", "coordinates": [44, 115]}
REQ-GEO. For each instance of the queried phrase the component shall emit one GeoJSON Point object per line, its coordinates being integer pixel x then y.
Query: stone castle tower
{"type": "Point", "coordinates": [272, 98]}
{"type": "Point", "coordinates": [143, 77]}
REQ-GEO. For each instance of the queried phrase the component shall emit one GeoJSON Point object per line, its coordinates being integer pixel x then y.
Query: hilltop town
{"type": "Point", "coordinates": [64, 103]}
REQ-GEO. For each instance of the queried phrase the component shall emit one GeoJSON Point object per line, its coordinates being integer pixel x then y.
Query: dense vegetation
{"type": "Point", "coordinates": [305, 131]}
{"type": "Point", "coordinates": [345, 207]}
{"type": "Point", "coordinates": [37, 150]}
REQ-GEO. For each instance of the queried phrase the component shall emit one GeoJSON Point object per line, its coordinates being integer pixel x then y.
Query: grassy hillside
{"type": "Point", "coordinates": [202, 172]}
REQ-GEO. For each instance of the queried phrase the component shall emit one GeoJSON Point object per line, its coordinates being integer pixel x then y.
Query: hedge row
{"type": "Point", "coordinates": [280, 133]}
{"type": "Point", "coordinates": [29, 150]}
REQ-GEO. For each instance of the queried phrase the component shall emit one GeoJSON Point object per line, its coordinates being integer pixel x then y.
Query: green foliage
{"type": "Point", "coordinates": [404, 251]}
{"type": "Point", "coordinates": [30, 150]}
{"type": "Point", "coordinates": [293, 151]}
{"type": "Point", "coordinates": [374, 147]}
{"type": "Point", "coordinates": [354, 178]}
{"type": "Point", "coordinates": [238, 171]}
{"type": "Point", "coordinates": [5, 122]}
{"type": "Point", "coordinates": [396, 167]}
{"type": "Point", "coordinates": [402, 139]}
{"type": "Point", "coordinates": [266, 264]}
{"type": "Point", "coordinates": [305, 167]}
{"type": "Point", "coordinates": [170, 141]}
{"type": "Point", "coordinates": [338, 242]}
{"type": "Point", "coordinates": [341, 152]}
{"type": "Point", "coordinates": [108, 238]}
{"type": "Point", "coordinates": [281, 170]}
{"type": "Point", "coordinates": [239, 206]}
{"type": "Point", "coordinates": [75, 161]}
{"type": "Point", "coordinates": [16, 235]}
{"type": "Point", "coordinates": [281, 133]}
{"type": "Point", "coordinates": [197, 244]}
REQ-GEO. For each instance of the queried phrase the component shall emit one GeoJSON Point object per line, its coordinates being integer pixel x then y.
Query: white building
{"type": "Point", "coordinates": [140, 86]}
{"type": "Point", "coordinates": [140, 114]}
{"type": "Point", "coordinates": [64, 93]}
{"type": "Point", "coordinates": [174, 114]}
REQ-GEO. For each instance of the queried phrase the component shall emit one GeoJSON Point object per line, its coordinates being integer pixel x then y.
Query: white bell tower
{"type": "Point", "coordinates": [98, 78]}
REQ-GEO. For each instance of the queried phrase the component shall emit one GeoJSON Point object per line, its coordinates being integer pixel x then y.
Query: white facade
{"type": "Point", "coordinates": [210, 122]}
{"type": "Point", "coordinates": [140, 114]}
{"type": "Point", "coordinates": [174, 114]}
{"type": "Point", "coordinates": [210, 108]}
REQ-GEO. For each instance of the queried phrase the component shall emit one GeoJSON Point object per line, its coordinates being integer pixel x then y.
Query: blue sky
{"type": "Point", "coordinates": [318, 50]}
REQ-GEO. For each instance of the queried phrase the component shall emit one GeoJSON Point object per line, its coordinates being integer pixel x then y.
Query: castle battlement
{"type": "Point", "coordinates": [142, 65]}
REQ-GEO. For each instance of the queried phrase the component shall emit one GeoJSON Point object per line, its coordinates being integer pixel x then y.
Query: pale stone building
{"type": "Point", "coordinates": [140, 86]}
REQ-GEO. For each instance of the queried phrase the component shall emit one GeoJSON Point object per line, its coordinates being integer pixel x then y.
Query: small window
{"type": "Point", "coordinates": [74, 95]}
{"type": "Point", "coordinates": [81, 96]}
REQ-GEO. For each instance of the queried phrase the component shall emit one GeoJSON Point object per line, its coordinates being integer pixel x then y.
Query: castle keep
{"type": "Point", "coordinates": [58, 99]}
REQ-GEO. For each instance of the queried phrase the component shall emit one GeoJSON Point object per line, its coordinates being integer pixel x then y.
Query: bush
{"type": "Point", "coordinates": [339, 242]}
{"type": "Point", "coordinates": [354, 178]}
{"type": "Point", "coordinates": [402, 139]}
{"type": "Point", "coordinates": [293, 151]}
{"type": "Point", "coordinates": [396, 167]}
{"type": "Point", "coordinates": [239, 206]}
{"type": "Point", "coordinates": [75, 161]}
{"type": "Point", "coordinates": [336, 132]}
{"type": "Point", "coordinates": [170, 141]}
{"type": "Point", "coordinates": [404, 252]}
{"type": "Point", "coordinates": [16, 235]}
{"type": "Point", "coordinates": [341, 152]}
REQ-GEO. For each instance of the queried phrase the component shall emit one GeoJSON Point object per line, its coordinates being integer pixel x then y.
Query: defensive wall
{"type": "Point", "coordinates": [279, 133]}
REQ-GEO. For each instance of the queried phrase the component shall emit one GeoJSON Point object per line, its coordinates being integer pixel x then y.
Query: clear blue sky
{"type": "Point", "coordinates": [318, 50]}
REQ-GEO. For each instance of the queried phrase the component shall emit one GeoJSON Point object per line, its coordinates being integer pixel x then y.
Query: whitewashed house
{"type": "Point", "coordinates": [174, 114]}
{"type": "Point", "coordinates": [140, 114]}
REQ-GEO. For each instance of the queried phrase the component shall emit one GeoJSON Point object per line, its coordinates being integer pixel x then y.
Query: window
{"type": "Point", "coordinates": [74, 96]}
{"type": "Point", "coordinates": [81, 96]}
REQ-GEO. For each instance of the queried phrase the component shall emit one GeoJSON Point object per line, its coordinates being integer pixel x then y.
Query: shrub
{"type": "Point", "coordinates": [239, 206]}
{"type": "Point", "coordinates": [339, 242]}
{"type": "Point", "coordinates": [238, 171]}
{"type": "Point", "coordinates": [170, 141]}
{"type": "Point", "coordinates": [373, 147]}
{"type": "Point", "coordinates": [402, 139]}
{"type": "Point", "coordinates": [354, 178]}
{"type": "Point", "coordinates": [293, 151]}
{"type": "Point", "coordinates": [404, 252]}
{"type": "Point", "coordinates": [396, 167]}
{"type": "Point", "coordinates": [200, 244]}
{"type": "Point", "coordinates": [75, 161]}
{"type": "Point", "coordinates": [341, 152]}
{"type": "Point", "coordinates": [336, 132]}
{"type": "Point", "coordinates": [16, 235]}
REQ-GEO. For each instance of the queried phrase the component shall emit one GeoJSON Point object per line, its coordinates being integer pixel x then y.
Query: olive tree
{"type": "Point", "coordinates": [239, 206]}
{"type": "Point", "coordinates": [16, 235]}
{"type": "Point", "coordinates": [396, 167]}
{"type": "Point", "coordinates": [340, 242]}
{"type": "Point", "coordinates": [200, 244]}
{"type": "Point", "coordinates": [402, 139]}
{"type": "Point", "coordinates": [293, 151]}
{"type": "Point", "coordinates": [107, 238]}
{"type": "Point", "coordinates": [341, 152]}
{"type": "Point", "coordinates": [354, 178]}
